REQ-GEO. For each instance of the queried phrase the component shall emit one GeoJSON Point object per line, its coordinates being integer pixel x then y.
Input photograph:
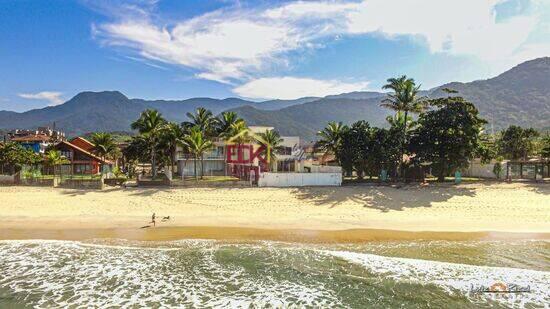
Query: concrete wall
{"type": "Point", "coordinates": [299, 179]}
{"type": "Point", "coordinates": [7, 179]}
{"type": "Point", "coordinates": [325, 169]}
{"type": "Point", "coordinates": [477, 169]}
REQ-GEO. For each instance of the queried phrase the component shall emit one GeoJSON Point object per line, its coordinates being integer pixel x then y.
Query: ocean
{"type": "Point", "coordinates": [266, 274]}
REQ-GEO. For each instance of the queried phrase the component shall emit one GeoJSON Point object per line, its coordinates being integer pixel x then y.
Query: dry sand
{"type": "Point", "coordinates": [31, 212]}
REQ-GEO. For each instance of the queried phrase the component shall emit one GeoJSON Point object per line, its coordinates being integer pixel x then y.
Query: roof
{"type": "Point", "coordinates": [31, 138]}
{"type": "Point", "coordinates": [82, 143]}
{"type": "Point", "coordinates": [85, 152]}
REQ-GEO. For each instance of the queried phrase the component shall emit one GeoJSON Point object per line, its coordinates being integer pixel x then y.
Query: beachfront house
{"type": "Point", "coordinates": [82, 160]}
{"type": "Point", "coordinates": [230, 158]}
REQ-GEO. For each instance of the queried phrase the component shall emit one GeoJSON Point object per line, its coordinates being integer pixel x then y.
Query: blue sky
{"type": "Point", "coordinates": [163, 49]}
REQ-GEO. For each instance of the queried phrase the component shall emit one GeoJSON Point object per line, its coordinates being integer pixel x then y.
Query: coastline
{"type": "Point", "coordinates": [320, 214]}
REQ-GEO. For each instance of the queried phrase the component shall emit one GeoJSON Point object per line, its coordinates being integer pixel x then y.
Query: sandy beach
{"type": "Point", "coordinates": [273, 213]}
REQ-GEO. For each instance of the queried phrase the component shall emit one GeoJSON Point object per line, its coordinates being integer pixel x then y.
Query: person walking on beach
{"type": "Point", "coordinates": [153, 219]}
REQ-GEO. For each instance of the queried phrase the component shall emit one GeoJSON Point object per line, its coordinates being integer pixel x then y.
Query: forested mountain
{"type": "Point", "coordinates": [519, 96]}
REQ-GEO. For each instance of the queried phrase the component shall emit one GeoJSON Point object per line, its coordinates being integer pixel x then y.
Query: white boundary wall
{"type": "Point", "coordinates": [477, 169]}
{"type": "Point", "coordinates": [299, 179]}
{"type": "Point", "coordinates": [7, 179]}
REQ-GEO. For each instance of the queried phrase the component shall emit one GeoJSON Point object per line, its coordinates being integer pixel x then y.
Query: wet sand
{"type": "Point", "coordinates": [252, 234]}
{"type": "Point", "coordinates": [342, 214]}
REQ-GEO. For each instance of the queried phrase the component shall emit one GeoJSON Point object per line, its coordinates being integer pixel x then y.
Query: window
{"type": "Point", "coordinates": [66, 153]}
{"type": "Point", "coordinates": [82, 168]}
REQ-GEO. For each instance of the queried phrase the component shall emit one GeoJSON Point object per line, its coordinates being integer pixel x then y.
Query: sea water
{"type": "Point", "coordinates": [207, 273]}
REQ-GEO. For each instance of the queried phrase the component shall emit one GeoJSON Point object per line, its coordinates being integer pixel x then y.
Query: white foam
{"type": "Point", "coordinates": [453, 276]}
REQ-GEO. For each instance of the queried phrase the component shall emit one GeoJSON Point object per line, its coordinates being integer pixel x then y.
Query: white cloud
{"type": "Point", "coordinates": [237, 45]}
{"type": "Point", "coordinates": [51, 96]}
{"type": "Point", "coordinates": [288, 88]}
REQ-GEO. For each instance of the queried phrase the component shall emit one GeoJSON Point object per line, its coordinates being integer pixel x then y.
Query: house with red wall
{"type": "Point", "coordinates": [82, 160]}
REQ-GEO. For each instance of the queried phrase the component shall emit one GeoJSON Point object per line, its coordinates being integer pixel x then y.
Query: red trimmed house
{"type": "Point", "coordinates": [83, 161]}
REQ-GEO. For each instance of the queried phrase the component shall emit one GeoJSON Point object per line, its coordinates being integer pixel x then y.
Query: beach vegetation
{"type": "Point", "coordinates": [13, 156]}
{"type": "Point", "coordinates": [150, 125]}
{"type": "Point", "coordinates": [517, 143]}
{"type": "Point", "coordinates": [330, 139]}
{"type": "Point", "coordinates": [197, 143]}
{"type": "Point", "coordinates": [405, 99]}
{"type": "Point", "coordinates": [104, 145]}
{"type": "Point", "coordinates": [271, 140]}
{"type": "Point", "coordinates": [448, 136]}
{"type": "Point", "coordinates": [55, 159]}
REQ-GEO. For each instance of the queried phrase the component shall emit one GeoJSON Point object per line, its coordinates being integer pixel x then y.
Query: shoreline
{"type": "Point", "coordinates": [239, 234]}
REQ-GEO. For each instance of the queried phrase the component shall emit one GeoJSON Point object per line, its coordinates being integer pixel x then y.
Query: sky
{"type": "Point", "coordinates": [170, 49]}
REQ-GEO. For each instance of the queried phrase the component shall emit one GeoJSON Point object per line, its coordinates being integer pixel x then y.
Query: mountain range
{"type": "Point", "coordinates": [519, 96]}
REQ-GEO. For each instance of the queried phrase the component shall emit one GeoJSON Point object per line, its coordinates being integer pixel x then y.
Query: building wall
{"type": "Point", "coordinates": [211, 167]}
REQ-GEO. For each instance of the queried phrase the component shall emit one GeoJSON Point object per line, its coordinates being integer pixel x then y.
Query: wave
{"type": "Point", "coordinates": [208, 273]}
{"type": "Point", "coordinates": [453, 276]}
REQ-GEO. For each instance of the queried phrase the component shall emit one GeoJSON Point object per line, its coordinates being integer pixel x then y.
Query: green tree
{"type": "Point", "coordinates": [150, 125]}
{"type": "Point", "coordinates": [330, 138]}
{"type": "Point", "coordinates": [13, 156]}
{"type": "Point", "coordinates": [448, 136]}
{"type": "Point", "coordinates": [361, 139]}
{"type": "Point", "coordinates": [545, 152]}
{"type": "Point", "coordinates": [405, 99]}
{"type": "Point", "coordinates": [204, 120]}
{"type": "Point", "coordinates": [171, 136]}
{"type": "Point", "coordinates": [104, 145]}
{"type": "Point", "coordinates": [197, 143]}
{"type": "Point", "coordinates": [384, 151]}
{"type": "Point", "coordinates": [55, 159]}
{"type": "Point", "coordinates": [517, 142]}
{"type": "Point", "coordinates": [237, 133]}
{"type": "Point", "coordinates": [271, 140]}
{"type": "Point", "coordinates": [225, 124]}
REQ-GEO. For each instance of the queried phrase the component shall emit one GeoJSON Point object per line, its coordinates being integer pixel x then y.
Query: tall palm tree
{"type": "Point", "coordinates": [226, 122]}
{"type": "Point", "coordinates": [172, 135]}
{"type": "Point", "coordinates": [54, 158]}
{"type": "Point", "coordinates": [204, 119]}
{"type": "Point", "coordinates": [150, 124]}
{"type": "Point", "coordinates": [271, 140]}
{"type": "Point", "coordinates": [198, 143]}
{"type": "Point", "coordinates": [238, 133]}
{"type": "Point", "coordinates": [330, 138]}
{"type": "Point", "coordinates": [405, 98]}
{"type": "Point", "coordinates": [104, 145]}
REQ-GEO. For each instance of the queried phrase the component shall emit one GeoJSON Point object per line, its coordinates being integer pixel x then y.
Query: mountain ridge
{"type": "Point", "coordinates": [518, 96]}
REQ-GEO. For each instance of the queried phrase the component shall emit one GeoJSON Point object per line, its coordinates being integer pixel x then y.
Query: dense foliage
{"type": "Point", "coordinates": [447, 136]}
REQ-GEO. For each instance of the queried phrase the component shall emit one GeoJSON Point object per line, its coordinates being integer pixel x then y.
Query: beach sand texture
{"type": "Point", "coordinates": [517, 207]}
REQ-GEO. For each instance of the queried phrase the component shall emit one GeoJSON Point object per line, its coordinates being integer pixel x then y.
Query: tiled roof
{"type": "Point", "coordinates": [86, 152]}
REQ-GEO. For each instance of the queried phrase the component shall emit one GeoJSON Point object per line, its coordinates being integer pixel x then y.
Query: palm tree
{"type": "Point", "coordinates": [204, 119]}
{"type": "Point", "coordinates": [271, 140]}
{"type": "Point", "coordinates": [225, 124]}
{"type": "Point", "coordinates": [54, 158]}
{"type": "Point", "coordinates": [150, 124]}
{"type": "Point", "coordinates": [197, 143]}
{"type": "Point", "coordinates": [398, 121]}
{"type": "Point", "coordinates": [330, 138]}
{"type": "Point", "coordinates": [404, 99]}
{"type": "Point", "coordinates": [104, 145]}
{"type": "Point", "coordinates": [172, 135]}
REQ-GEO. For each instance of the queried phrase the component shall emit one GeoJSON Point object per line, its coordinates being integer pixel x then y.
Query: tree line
{"type": "Point", "coordinates": [159, 139]}
{"type": "Point", "coordinates": [446, 135]}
